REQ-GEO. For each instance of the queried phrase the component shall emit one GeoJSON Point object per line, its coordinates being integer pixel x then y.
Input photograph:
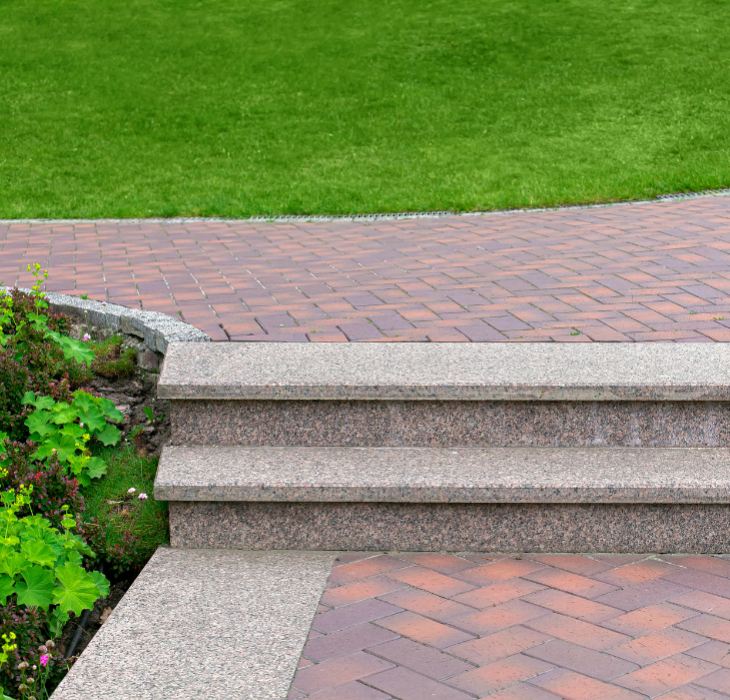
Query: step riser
{"type": "Point", "coordinates": [451, 423]}
{"type": "Point", "coordinates": [454, 528]}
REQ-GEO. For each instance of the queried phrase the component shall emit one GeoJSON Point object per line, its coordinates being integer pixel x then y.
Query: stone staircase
{"type": "Point", "coordinates": [496, 447]}
{"type": "Point", "coordinates": [613, 448]}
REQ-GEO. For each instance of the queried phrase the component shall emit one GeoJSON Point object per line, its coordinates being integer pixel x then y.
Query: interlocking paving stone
{"type": "Point", "coordinates": [424, 603]}
{"type": "Point", "coordinates": [647, 637]}
{"type": "Point", "coordinates": [572, 630]}
{"type": "Point", "coordinates": [499, 617]}
{"type": "Point", "coordinates": [642, 272]}
{"type": "Point", "coordinates": [407, 685]}
{"type": "Point", "coordinates": [655, 646]}
{"type": "Point", "coordinates": [424, 630]}
{"type": "Point", "coordinates": [639, 572]}
{"type": "Point", "coordinates": [649, 619]}
{"type": "Point", "coordinates": [500, 571]}
{"type": "Point", "coordinates": [634, 597]}
{"type": "Point", "coordinates": [354, 690]}
{"type": "Point", "coordinates": [431, 581]}
{"type": "Point", "coordinates": [715, 652]}
{"type": "Point", "coordinates": [354, 614]}
{"type": "Point", "coordinates": [575, 686]}
{"type": "Point", "coordinates": [568, 604]}
{"type": "Point", "coordinates": [720, 680]}
{"type": "Point", "coordinates": [570, 583]}
{"type": "Point", "coordinates": [324, 647]}
{"type": "Point", "coordinates": [499, 645]}
{"type": "Point", "coordinates": [499, 674]}
{"type": "Point", "coordinates": [497, 593]}
{"type": "Point", "coordinates": [666, 674]}
{"type": "Point", "coordinates": [420, 658]}
{"type": "Point", "coordinates": [337, 671]}
{"type": "Point", "coordinates": [693, 692]}
{"type": "Point", "coordinates": [577, 658]}
{"type": "Point", "coordinates": [708, 626]}
{"type": "Point", "coordinates": [704, 602]}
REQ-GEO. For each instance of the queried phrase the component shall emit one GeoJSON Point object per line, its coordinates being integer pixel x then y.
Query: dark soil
{"type": "Point", "coordinates": [131, 397]}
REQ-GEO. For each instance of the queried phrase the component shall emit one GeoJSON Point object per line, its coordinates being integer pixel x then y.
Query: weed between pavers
{"type": "Point", "coordinates": [76, 478]}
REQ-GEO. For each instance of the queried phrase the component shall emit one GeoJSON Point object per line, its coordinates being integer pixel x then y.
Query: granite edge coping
{"type": "Point", "coordinates": [182, 631]}
{"type": "Point", "coordinates": [443, 475]}
{"type": "Point", "coordinates": [156, 329]}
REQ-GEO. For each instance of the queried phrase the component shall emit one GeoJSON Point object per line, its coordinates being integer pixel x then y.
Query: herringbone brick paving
{"type": "Point", "coordinates": [644, 272]}
{"type": "Point", "coordinates": [520, 627]}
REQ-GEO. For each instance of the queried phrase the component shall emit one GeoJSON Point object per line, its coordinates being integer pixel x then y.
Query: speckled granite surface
{"type": "Point", "coordinates": [204, 624]}
{"type": "Point", "coordinates": [579, 372]}
{"type": "Point", "coordinates": [428, 475]}
{"type": "Point", "coordinates": [451, 423]}
{"type": "Point", "coordinates": [454, 527]}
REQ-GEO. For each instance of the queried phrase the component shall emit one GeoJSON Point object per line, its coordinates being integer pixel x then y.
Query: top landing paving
{"type": "Point", "coordinates": [643, 272]}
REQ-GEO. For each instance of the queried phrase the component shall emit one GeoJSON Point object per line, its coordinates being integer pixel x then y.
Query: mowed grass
{"type": "Point", "coordinates": [121, 108]}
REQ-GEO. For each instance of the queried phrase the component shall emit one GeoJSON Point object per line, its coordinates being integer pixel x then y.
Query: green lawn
{"type": "Point", "coordinates": [243, 107]}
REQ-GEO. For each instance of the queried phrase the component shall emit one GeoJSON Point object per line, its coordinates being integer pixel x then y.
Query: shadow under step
{"type": "Point", "coordinates": [452, 499]}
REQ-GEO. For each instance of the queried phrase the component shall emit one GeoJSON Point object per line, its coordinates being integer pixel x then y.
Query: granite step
{"type": "Point", "coordinates": [444, 395]}
{"type": "Point", "coordinates": [463, 499]}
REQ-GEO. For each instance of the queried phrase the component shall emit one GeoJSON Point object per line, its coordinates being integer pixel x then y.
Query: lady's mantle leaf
{"type": "Point", "coordinates": [110, 435]}
{"type": "Point", "coordinates": [36, 587]}
{"type": "Point", "coordinates": [38, 552]}
{"type": "Point", "coordinates": [6, 588]}
{"type": "Point", "coordinates": [77, 592]}
{"type": "Point", "coordinates": [101, 581]}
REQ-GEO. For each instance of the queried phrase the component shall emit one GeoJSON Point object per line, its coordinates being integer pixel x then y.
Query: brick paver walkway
{"type": "Point", "coordinates": [658, 271]}
{"type": "Point", "coordinates": [530, 627]}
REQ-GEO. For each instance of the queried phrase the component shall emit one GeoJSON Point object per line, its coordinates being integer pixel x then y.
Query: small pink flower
{"type": "Point", "coordinates": [103, 303]}
{"type": "Point", "coordinates": [142, 496]}
{"type": "Point", "coordinates": [44, 659]}
{"type": "Point", "coordinates": [87, 337]}
{"type": "Point", "coordinates": [132, 490]}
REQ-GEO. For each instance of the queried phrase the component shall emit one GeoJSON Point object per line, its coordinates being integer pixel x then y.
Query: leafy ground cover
{"type": "Point", "coordinates": [179, 107]}
{"type": "Point", "coordinates": [76, 478]}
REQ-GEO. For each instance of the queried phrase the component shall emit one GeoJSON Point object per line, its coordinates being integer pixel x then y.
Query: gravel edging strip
{"type": "Point", "coordinates": [396, 216]}
{"type": "Point", "coordinates": [156, 329]}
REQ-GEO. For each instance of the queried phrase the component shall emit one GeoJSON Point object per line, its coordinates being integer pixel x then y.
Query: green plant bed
{"type": "Point", "coordinates": [111, 360]}
{"type": "Point", "coordinates": [235, 108]}
{"type": "Point", "coordinates": [76, 481]}
{"type": "Point", "coordinates": [122, 527]}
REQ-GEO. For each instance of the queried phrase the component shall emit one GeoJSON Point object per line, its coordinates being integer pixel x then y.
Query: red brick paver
{"type": "Point", "coordinates": [658, 271]}
{"type": "Point", "coordinates": [399, 627]}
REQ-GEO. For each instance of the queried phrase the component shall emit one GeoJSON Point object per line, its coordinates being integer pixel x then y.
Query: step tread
{"type": "Point", "coordinates": [435, 475]}
{"type": "Point", "coordinates": [221, 624]}
{"type": "Point", "coordinates": [447, 371]}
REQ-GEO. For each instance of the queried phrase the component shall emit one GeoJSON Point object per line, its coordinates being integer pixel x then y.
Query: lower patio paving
{"type": "Point", "coordinates": [640, 272]}
{"type": "Point", "coordinates": [520, 627]}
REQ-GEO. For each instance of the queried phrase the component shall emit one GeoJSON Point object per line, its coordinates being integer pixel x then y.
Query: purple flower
{"type": "Point", "coordinates": [44, 659]}
{"type": "Point", "coordinates": [87, 337]}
